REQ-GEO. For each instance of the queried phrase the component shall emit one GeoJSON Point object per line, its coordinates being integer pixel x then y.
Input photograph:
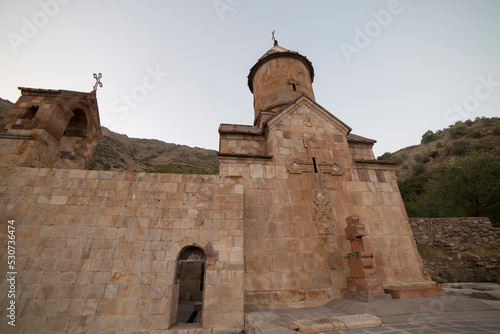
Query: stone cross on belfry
{"type": "Point", "coordinates": [98, 80]}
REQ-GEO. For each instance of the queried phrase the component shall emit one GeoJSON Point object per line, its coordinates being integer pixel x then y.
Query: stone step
{"type": "Point", "coordinates": [414, 292]}
{"type": "Point", "coordinates": [336, 323]}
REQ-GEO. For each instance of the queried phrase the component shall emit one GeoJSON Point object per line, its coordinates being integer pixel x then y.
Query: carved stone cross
{"type": "Point", "coordinates": [98, 80]}
{"type": "Point", "coordinates": [323, 215]}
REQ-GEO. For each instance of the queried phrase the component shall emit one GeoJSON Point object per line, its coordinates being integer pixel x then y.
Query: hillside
{"type": "Point", "coordinates": [454, 172]}
{"type": "Point", "coordinates": [4, 108]}
{"type": "Point", "coordinates": [119, 152]}
{"type": "Point", "coordinates": [442, 147]}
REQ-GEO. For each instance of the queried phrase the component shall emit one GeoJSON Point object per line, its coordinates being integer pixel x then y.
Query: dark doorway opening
{"type": "Point", "coordinates": [190, 279]}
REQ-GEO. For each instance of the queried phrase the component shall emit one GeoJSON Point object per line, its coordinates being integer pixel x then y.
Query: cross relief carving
{"type": "Point", "coordinates": [323, 213]}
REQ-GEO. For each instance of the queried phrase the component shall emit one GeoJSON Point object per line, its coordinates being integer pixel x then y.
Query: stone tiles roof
{"type": "Point", "coordinates": [52, 91]}
{"type": "Point", "coordinates": [240, 129]}
{"type": "Point", "coordinates": [358, 139]}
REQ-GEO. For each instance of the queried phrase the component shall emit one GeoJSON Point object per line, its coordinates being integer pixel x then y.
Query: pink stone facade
{"type": "Point", "coordinates": [295, 212]}
{"type": "Point", "coordinates": [100, 251]}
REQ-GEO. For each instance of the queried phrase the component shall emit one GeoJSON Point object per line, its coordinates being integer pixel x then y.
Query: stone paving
{"type": "Point", "coordinates": [448, 314]}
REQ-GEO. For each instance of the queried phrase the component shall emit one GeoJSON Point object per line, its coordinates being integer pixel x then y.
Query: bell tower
{"type": "Point", "coordinates": [50, 128]}
{"type": "Point", "coordinates": [279, 77]}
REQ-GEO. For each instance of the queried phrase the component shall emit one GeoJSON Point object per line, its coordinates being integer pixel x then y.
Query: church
{"type": "Point", "coordinates": [300, 214]}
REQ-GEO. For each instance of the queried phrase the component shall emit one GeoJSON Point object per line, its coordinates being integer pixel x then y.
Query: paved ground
{"type": "Point", "coordinates": [185, 312]}
{"type": "Point", "coordinates": [449, 314]}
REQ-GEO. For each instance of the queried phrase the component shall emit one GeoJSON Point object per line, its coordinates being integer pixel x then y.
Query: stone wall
{"type": "Point", "coordinates": [97, 250]}
{"type": "Point", "coordinates": [469, 248]}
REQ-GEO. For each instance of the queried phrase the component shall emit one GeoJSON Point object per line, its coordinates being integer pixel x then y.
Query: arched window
{"type": "Point", "coordinates": [30, 112]}
{"type": "Point", "coordinates": [77, 126]}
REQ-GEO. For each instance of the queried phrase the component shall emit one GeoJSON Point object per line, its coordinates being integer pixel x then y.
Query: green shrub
{"type": "Point", "coordinates": [418, 168]}
{"type": "Point", "coordinates": [428, 137]}
{"type": "Point", "coordinates": [384, 156]}
{"type": "Point", "coordinates": [461, 147]}
{"type": "Point", "coordinates": [398, 158]}
{"type": "Point", "coordinates": [433, 154]}
{"type": "Point", "coordinates": [439, 145]}
{"type": "Point", "coordinates": [474, 134]}
{"type": "Point", "coordinates": [422, 159]}
{"type": "Point", "coordinates": [489, 121]}
{"type": "Point", "coordinates": [426, 157]}
{"type": "Point", "coordinates": [496, 131]}
{"type": "Point", "coordinates": [458, 131]}
{"type": "Point", "coordinates": [468, 122]}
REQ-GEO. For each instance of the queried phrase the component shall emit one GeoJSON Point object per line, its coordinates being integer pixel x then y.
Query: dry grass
{"type": "Point", "coordinates": [483, 250]}
{"type": "Point", "coordinates": [433, 253]}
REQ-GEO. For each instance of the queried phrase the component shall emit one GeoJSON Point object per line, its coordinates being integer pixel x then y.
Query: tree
{"type": "Point", "coordinates": [474, 181]}
{"type": "Point", "coordinates": [468, 187]}
{"type": "Point", "coordinates": [428, 137]}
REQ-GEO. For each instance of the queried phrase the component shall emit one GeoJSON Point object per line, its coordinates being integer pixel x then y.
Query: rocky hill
{"type": "Point", "coordinates": [4, 108]}
{"type": "Point", "coordinates": [119, 152]}
{"type": "Point", "coordinates": [442, 147]}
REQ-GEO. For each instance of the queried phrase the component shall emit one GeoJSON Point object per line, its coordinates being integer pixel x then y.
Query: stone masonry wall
{"type": "Point", "coordinates": [97, 250]}
{"type": "Point", "coordinates": [464, 242]}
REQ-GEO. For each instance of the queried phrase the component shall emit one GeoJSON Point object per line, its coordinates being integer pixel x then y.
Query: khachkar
{"type": "Point", "coordinates": [362, 283]}
{"type": "Point", "coordinates": [304, 173]}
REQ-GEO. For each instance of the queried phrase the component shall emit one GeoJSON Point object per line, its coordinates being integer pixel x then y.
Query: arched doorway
{"type": "Point", "coordinates": [190, 278]}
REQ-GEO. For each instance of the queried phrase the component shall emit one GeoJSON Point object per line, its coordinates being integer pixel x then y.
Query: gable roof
{"type": "Point", "coordinates": [303, 99]}
{"type": "Point", "coordinates": [254, 130]}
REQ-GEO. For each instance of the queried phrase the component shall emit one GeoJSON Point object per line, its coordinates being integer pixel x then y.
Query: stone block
{"type": "Point", "coordinates": [415, 291]}
{"type": "Point", "coordinates": [336, 323]}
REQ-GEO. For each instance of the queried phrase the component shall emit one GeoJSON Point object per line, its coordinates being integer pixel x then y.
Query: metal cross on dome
{"type": "Point", "coordinates": [274, 38]}
{"type": "Point", "coordinates": [98, 80]}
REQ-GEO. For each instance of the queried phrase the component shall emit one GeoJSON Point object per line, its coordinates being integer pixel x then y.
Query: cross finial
{"type": "Point", "coordinates": [97, 80]}
{"type": "Point", "coordinates": [274, 38]}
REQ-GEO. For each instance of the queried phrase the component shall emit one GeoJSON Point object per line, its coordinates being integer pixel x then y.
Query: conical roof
{"type": "Point", "coordinates": [278, 51]}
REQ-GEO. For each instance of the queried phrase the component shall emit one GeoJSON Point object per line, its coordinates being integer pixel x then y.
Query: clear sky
{"type": "Point", "coordinates": [174, 70]}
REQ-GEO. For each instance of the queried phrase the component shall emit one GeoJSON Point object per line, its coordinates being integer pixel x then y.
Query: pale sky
{"type": "Point", "coordinates": [174, 70]}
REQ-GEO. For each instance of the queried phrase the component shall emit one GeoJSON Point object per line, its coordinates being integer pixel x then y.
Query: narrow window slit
{"type": "Point", "coordinates": [315, 166]}
{"type": "Point", "coordinates": [294, 88]}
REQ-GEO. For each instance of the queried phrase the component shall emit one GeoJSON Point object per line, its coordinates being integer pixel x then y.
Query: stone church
{"type": "Point", "coordinates": [301, 213]}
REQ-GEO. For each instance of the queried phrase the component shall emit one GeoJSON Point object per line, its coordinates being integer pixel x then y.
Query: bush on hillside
{"type": "Point", "coordinates": [384, 156]}
{"type": "Point", "coordinates": [428, 137]}
{"type": "Point", "coordinates": [458, 131]}
{"type": "Point", "coordinates": [461, 147]}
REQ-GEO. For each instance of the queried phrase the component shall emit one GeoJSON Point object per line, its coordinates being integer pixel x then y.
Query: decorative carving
{"type": "Point", "coordinates": [297, 166]}
{"type": "Point", "coordinates": [323, 218]}
{"type": "Point", "coordinates": [310, 141]}
{"type": "Point", "coordinates": [308, 121]}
